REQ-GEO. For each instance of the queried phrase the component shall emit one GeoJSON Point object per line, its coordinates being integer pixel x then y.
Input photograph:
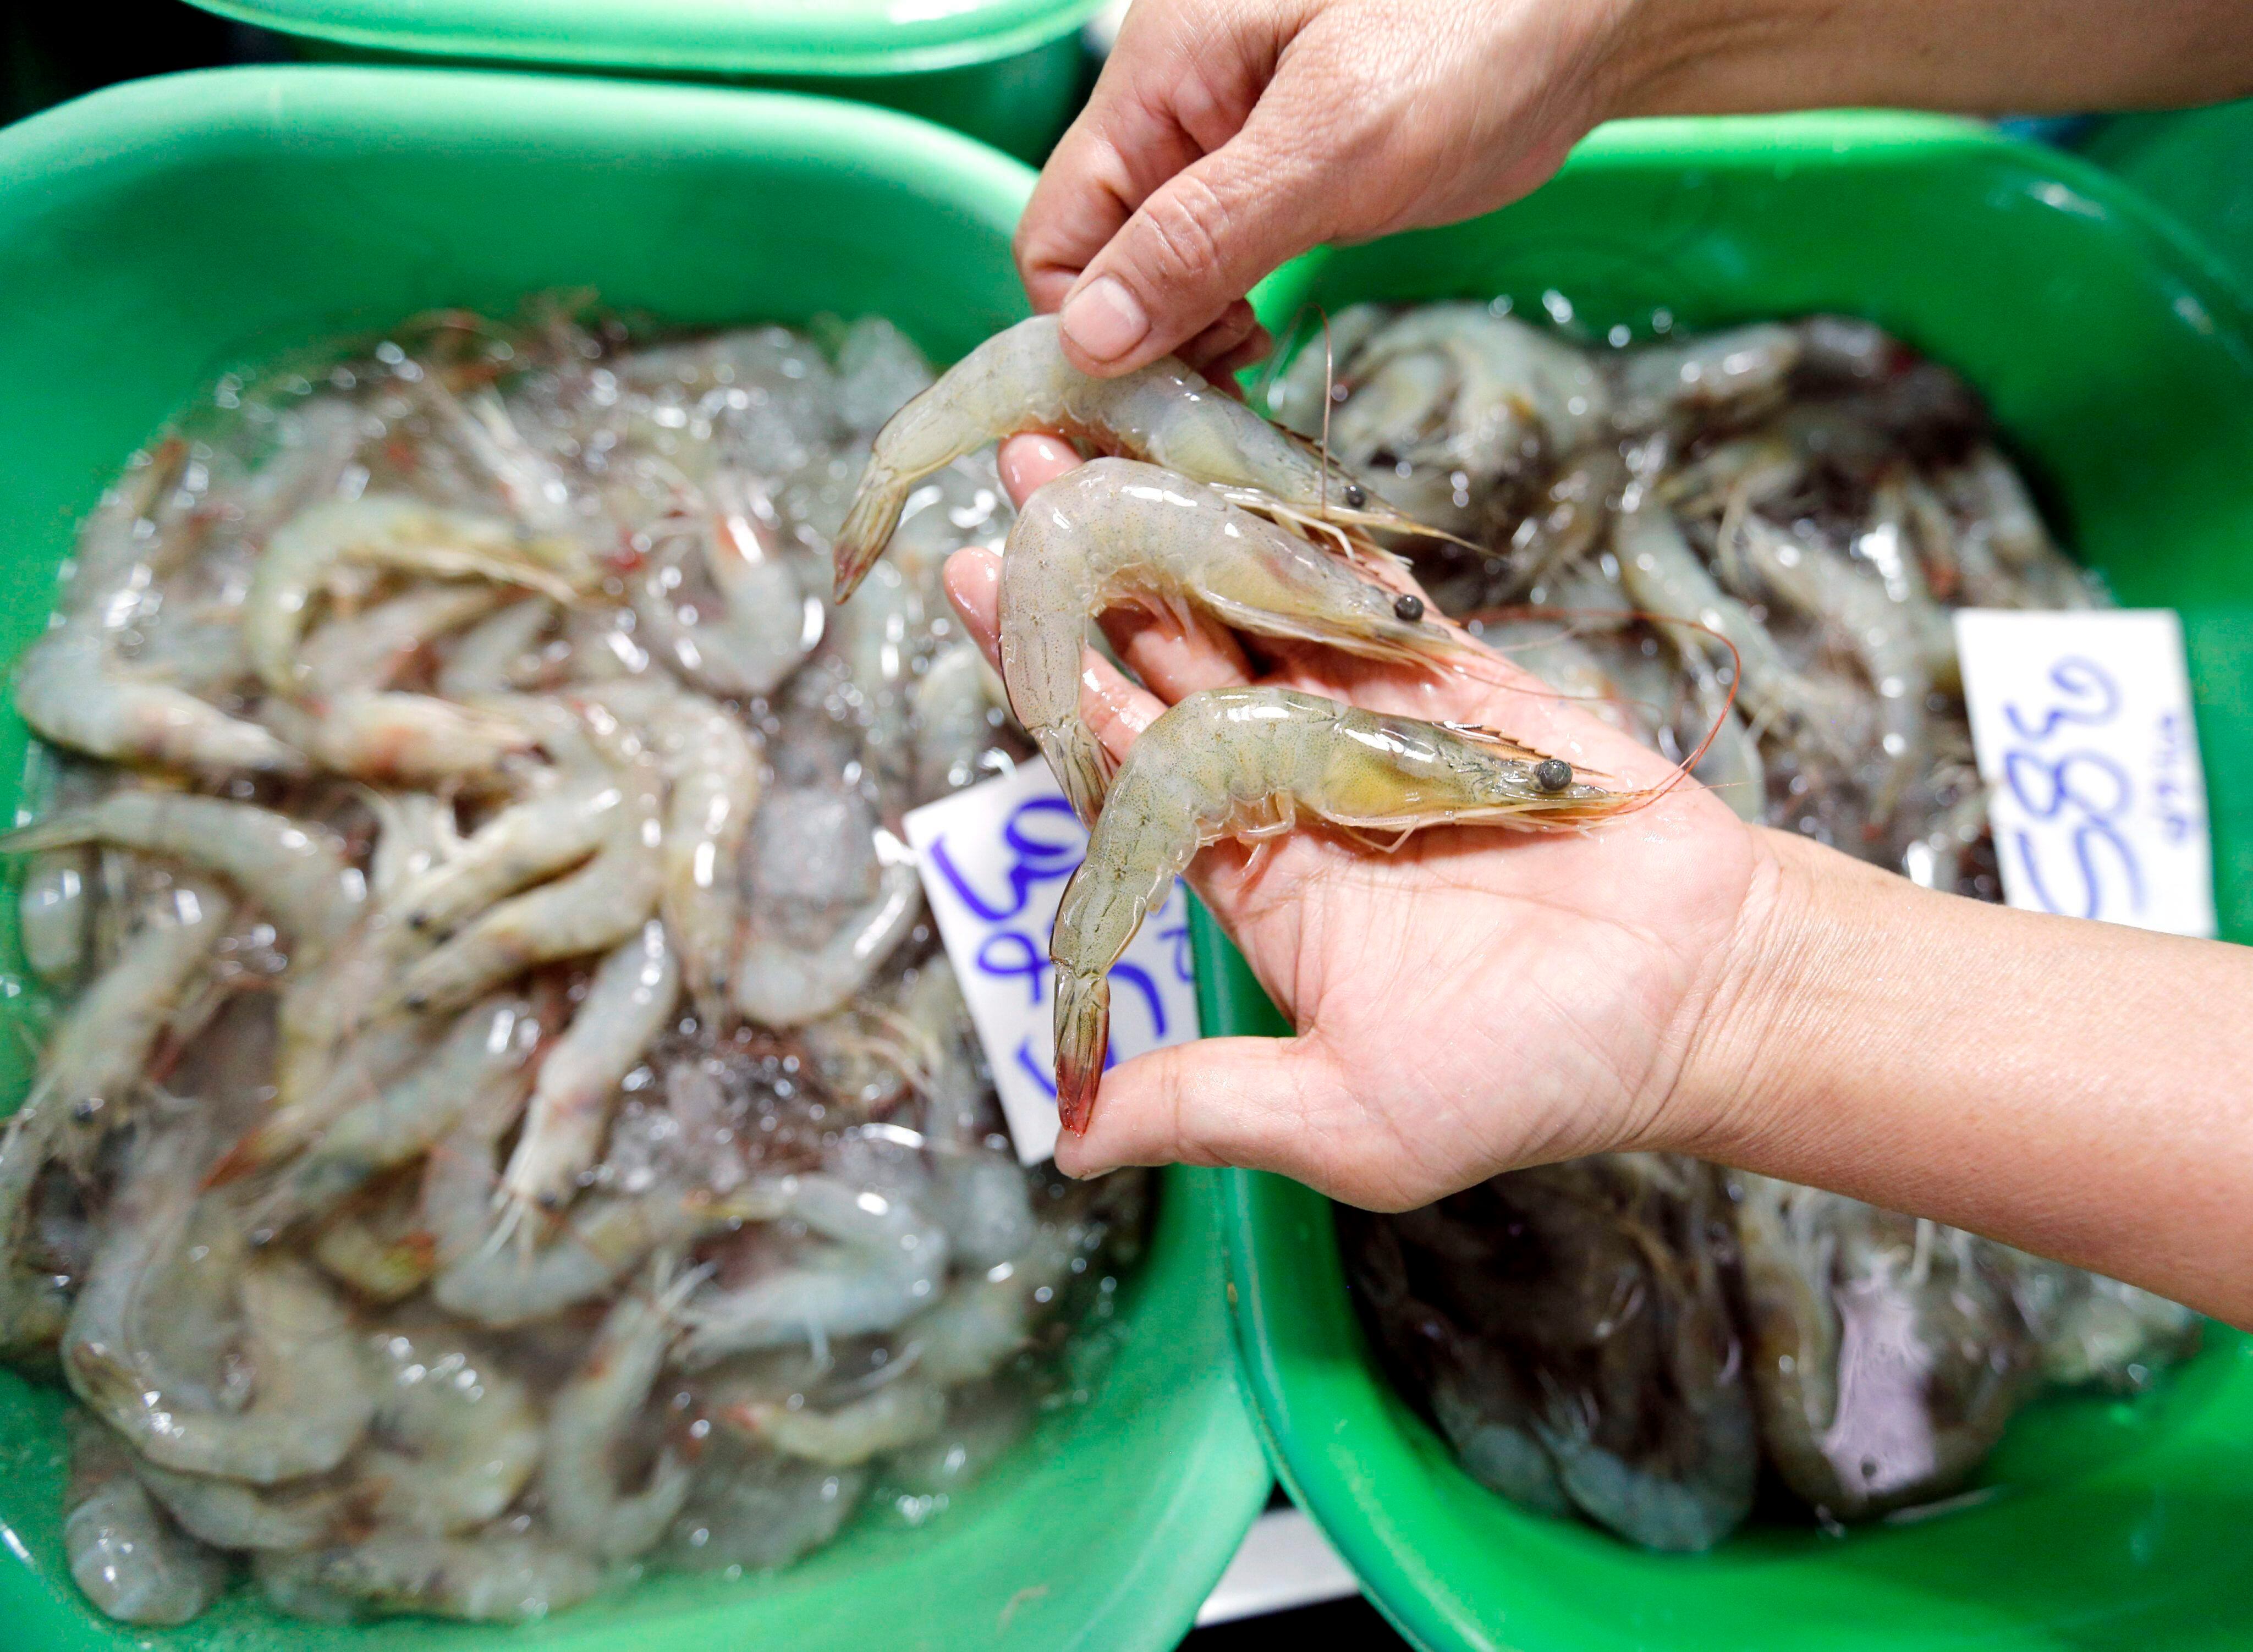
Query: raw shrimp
{"type": "Point", "coordinates": [500, 1283]}
{"type": "Point", "coordinates": [54, 914]}
{"type": "Point", "coordinates": [587, 1422]}
{"type": "Point", "coordinates": [759, 1508]}
{"type": "Point", "coordinates": [230, 1515]}
{"type": "Point", "coordinates": [132, 1562]}
{"type": "Point", "coordinates": [1739, 372]}
{"type": "Point", "coordinates": [2095, 1330]}
{"type": "Point", "coordinates": [816, 931]}
{"type": "Point", "coordinates": [765, 625]}
{"type": "Point", "coordinates": [878, 1259]}
{"type": "Point", "coordinates": [415, 832]}
{"type": "Point", "coordinates": [1518, 392]}
{"type": "Point", "coordinates": [385, 531]}
{"type": "Point", "coordinates": [1664, 576]}
{"type": "Point", "coordinates": [487, 1577]}
{"type": "Point", "coordinates": [489, 1048]}
{"type": "Point", "coordinates": [95, 1060]}
{"type": "Point", "coordinates": [528, 480]}
{"type": "Point", "coordinates": [1164, 413]}
{"type": "Point", "coordinates": [712, 768]}
{"type": "Point", "coordinates": [629, 1001]}
{"type": "Point", "coordinates": [1115, 532]}
{"type": "Point", "coordinates": [501, 654]}
{"type": "Point", "coordinates": [454, 1437]}
{"type": "Point", "coordinates": [296, 874]}
{"type": "Point", "coordinates": [310, 1402]}
{"type": "Point", "coordinates": [1882, 634]}
{"type": "Point", "coordinates": [367, 650]}
{"type": "Point", "coordinates": [978, 1194]}
{"type": "Point", "coordinates": [907, 1409]}
{"type": "Point", "coordinates": [953, 722]}
{"type": "Point", "coordinates": [399, 739]}
{"type": "Point", "coordinates": [558, 826]}
{"type": "Point", "coordinates": [595, 908]}
{"type": "Point", "coordinates": [1886, 1353]}
{"type": "Point", "coordinates": [375, 1243]}
{"type": "Point", "coordinates": [1246, 762]}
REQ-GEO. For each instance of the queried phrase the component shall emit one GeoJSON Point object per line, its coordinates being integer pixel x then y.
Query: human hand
{"type": "Point", "coordinates": [1226, 137]}
{"type": "Point", "coordinates": [1477, 1000]}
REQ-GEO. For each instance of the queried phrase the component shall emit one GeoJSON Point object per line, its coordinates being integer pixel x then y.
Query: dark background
{"type": "Point", "coordinates": [46, 57]}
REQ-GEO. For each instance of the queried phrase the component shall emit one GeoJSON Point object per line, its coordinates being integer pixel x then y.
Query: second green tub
{"type": "Point", "coordinates": [2118, 361]}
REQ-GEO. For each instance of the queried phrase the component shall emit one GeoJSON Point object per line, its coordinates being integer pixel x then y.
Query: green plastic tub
{"type": "Point", "coordinates": [2197, 164]}
{"type": "Point", "coordinates": [1008, 72]}
{"type": "Point", "coordinates": [157, 234]}
{"type": "Point", "coordinates": [2119, 363]}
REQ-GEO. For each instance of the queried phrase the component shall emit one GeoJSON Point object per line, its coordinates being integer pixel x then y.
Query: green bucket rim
{"type": "Point", "coordinates": [709, 37]}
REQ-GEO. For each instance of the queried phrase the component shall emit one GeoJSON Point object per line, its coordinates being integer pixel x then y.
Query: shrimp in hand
{"type": "Point", "coordinates": [1246, 762]}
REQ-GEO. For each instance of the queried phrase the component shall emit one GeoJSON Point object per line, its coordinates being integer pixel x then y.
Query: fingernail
{"type": "Point", "coordinates": [1104, 320]}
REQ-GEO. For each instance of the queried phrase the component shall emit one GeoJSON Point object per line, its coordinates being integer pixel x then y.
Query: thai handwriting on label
{"type": "Point", "coordinates": [994, 859]}
{"type": "Point", "coordinates": [2082, 722]}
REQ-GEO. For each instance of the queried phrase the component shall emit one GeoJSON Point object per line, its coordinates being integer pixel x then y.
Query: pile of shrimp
{"type": "Point", "coordinates": [1754, 537]}
{"type": "Point", "coordinates": [502, 1122]}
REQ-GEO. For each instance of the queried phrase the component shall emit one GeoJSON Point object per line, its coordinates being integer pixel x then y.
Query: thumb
{"type": "Point", "coordinates": [1196, 244]}
{"type": "Point", "coordinates": [1263, 1103]}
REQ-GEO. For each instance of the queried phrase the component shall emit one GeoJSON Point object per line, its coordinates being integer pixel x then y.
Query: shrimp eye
{"type": "Point", "coordinates": [1355, 496]}
{"type": "Point", "coordinates": [1408, 606]}
{"type": "Point", "coordinates": [1553, 774]}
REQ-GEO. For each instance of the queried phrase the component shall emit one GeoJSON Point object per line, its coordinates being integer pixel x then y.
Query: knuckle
{"type": "Point", "coordinates": [1186, 230]}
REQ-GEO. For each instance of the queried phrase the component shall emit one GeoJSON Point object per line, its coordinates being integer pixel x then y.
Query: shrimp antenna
{"type": "Point", "coordinates": [1712, 730]}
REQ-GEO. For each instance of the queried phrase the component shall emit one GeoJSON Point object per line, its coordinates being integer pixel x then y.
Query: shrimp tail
{"type": "Point", "coordinates": [1077, 759]}
{"type": "Point", "coordinates": [868, 528]}
{"type": "Point", "coordinates": [1082, 1031]}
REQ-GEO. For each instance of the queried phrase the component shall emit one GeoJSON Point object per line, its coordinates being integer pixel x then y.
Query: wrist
{"type": "Point", "coordinates": [1770, 986]}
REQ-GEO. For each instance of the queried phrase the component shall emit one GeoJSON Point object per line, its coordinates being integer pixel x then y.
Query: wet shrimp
{"type": "Point", "coordinates": [500, 654]}
{"type": "Point", "coordinates": [595, 908]}
{"type": "Point", "coordinates": [388, 532]}
{"type": "Point", "coordinates": [587, 1422]}
{"type": "Point", "coordinates": [401, 739]}
{"type": "Point", "coordinates": [630, 999]}
{"type": "Point", "coordinates": [832, 897]}
{"type": "Point", "coordinates": [296, 874]}
{"type": "Point", "coordinates": [489, 1578]}
{"type": "Point", "coordinates": [764, 626]}
{"type": "Point", "coordinates": [308, 1404]}
{"type": "Point", "coordinates": [131, 1561]}
{"type": "Point", "coordinates": [713, 770]}
{"type": "Point", "coordinates": [489, 1048]}
{"type": "Point", "coordinates": [368, 650]}
{"type": "Point", "coordinates": [94, 1062]}
{"type": "Point", "coordinates": [902, 1411]}
{"type": "Point", "coordinates": [1249, 763]}
{"type": "Point", "coordinates": [1116, 531]}
{"type": "Point", "coordinates": [1164, 413]}
{"type": "Point", "coordinates": [454, 1437]}
{"type": "Point", "coordinates": [877, 1259]}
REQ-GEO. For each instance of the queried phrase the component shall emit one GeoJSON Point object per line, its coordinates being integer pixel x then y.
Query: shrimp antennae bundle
{"type": "Point", "coordinates": [1248, 762]}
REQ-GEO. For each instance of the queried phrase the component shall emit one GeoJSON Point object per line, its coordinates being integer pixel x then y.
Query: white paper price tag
{"type": "Point", "coordinates": [2083, 724]}
{"type": "Point", "coordinates": [994, 859]}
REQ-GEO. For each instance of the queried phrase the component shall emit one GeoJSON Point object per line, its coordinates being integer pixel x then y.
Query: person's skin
{"type": "Point", "coordinates": [1226, 136]}
{"type": "Point", "coordinates": [1480, 999]}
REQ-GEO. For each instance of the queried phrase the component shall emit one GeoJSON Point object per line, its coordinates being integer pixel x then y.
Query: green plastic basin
{"type": "Point", "coordinates": [2197, 163]}
{"type": "Point", "coordinates": [154, 235]}
{"type": "Point", "coordinates": [2119, 364]}
{"type": "Point", "coordinates": [1006, 71]}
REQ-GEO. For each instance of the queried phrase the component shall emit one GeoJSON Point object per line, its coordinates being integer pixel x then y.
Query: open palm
{"type": "Point", "coordinates": [1476, 999]}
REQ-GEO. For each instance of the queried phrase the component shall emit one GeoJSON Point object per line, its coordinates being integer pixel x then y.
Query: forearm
{"type": "Point", "coordinates": [1714, 57]}
{"type": "Point", "coordinates": [2078, 1089]}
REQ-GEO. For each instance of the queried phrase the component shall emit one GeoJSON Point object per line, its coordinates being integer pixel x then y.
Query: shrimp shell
{"type": "Point", "coordinates": [1165, 413]}
{"type": "Point", "coordinates": [1247, 762]}
{"type": "Point", "coordinates": [1116, 530]}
